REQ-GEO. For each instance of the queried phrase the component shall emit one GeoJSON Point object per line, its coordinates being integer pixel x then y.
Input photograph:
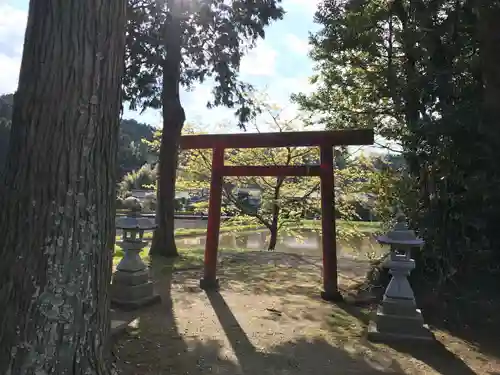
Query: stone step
{"type": "Point", "coordinates": [375, 335]}
{"type": "Point", "coordinates": [125, 278]}
{"type": "Point", "coordinates": [131, 292]}
{"type": "Point", "coordinates": [118, 326]}
{"type": "Point", "coordinates": [129, 305]}
{"type": "Point", "coordinates": [399, 324]}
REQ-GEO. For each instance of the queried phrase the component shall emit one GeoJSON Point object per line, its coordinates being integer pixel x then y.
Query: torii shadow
{"type": "Point", "coordinates": [292, 357]}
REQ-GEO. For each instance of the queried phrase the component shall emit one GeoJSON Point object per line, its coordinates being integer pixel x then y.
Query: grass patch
{"type": "Point", "coordinates": [184, 232]}
{"type": "Point", "coordinates": [362, 226]}
{"type": "Point", "coordinates": [187, 259]}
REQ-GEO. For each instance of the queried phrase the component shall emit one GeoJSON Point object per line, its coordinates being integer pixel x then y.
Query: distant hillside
{"type": "Point", "coordinates": [6, 102]}
{"type": "Point", "coordinates": [132, 153]}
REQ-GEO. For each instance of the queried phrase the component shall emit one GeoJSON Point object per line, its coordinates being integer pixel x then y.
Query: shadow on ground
{"type": "Point", "coordinates": [169, 339]}
{"type": "Point", "coordinates": [434, 354]}
{"type": "Point", "coordinates": [470, 313]}
{"type": "Point", "coordinates": [291, 357]}
{"type": "Point", "coordinates": [157, 344]}
{"type": "Point", "coordinates": [273, 273]}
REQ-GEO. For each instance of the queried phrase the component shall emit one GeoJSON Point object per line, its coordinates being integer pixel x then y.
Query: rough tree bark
{"type": "Point", "coordinates": [173, 120]}
{"type": "Point", "coordinates": [57, 200]}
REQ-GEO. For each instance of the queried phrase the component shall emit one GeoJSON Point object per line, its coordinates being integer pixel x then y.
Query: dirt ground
{"type": "Point", "coordinates": [268, 319]}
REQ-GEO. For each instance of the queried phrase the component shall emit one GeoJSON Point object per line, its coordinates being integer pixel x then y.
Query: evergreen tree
{"type": "Point", "coordinates": [173, 44]}
{"type": "Point", "coordinates": [425, 75]}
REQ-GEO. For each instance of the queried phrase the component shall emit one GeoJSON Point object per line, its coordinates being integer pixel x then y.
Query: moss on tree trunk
{"type": "Point", "coordinates": [57, 215]}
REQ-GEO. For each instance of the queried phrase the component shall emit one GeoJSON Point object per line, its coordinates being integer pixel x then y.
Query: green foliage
{"type": "Point", "coordinates": [351, 83]}
{"type": "Point", "coordinates": [422, 73]}
{"type": "Point", "coordinates": [142, 178]}
{"type": "Point", "coordinates": [213, 35]}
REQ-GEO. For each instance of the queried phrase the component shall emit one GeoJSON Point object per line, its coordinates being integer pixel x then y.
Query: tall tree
{"type": "Point", "coordinates": [176, 43]}
{"type": "Point", "coordinates": [424, 74]}
{"type": "Point", "coordinates": [57, 199]}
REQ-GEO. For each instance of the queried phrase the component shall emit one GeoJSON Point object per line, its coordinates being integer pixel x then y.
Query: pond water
{"type": "Point", "coordinates": [307, 243]}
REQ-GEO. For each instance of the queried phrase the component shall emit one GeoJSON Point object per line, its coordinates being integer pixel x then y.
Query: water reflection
{"type": "Point", "coordinates": [307, 243]}
{"type": "Point", "coordinates": [189, 224]}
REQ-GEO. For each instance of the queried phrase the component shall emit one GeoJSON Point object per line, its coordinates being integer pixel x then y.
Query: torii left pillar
{"type": "Point", "coordinates": [209, 280]}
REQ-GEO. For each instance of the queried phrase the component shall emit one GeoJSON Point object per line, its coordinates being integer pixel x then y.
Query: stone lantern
{"type": "Point", "coordinates": [397, 318]}
{"type": "Point", "coordinates": [131, 286]}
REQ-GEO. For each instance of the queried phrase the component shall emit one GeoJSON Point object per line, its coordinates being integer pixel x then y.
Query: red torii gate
{"type": "Point", "coordinates": [325, 140]}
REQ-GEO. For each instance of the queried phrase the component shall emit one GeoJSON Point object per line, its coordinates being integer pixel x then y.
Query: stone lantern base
{"type": "Point", "coordinates": [132, 290]}
{"type": "Point", "coordinates": [398, 320]}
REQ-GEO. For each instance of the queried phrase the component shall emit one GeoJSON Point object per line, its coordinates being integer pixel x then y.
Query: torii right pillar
{"type": "Point", "coordinates": [329, 243]}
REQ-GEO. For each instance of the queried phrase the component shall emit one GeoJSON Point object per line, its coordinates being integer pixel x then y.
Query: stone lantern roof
{"type": "Point", "coordinates": [133, 220]}
{"type": "Point", "coordinates": [401, 235]}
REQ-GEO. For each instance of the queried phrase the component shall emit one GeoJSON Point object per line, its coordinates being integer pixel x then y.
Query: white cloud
{"type": "Point", "coordinates": [308, 6]}
{"type": "Point", "coordinates": [282, 88]}
{"type": "Point", "coordinates": [296, 44]}
{"type": "Point", "coordinates": [12, 27]}
{"type": "Point", "coordinates": [9, 73]}
{"type": "Point", "coordinates": [259, 61]}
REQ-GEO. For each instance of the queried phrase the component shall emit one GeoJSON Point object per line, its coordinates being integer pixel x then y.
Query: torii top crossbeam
{"type": "Point", "coordinates": [356, 137]}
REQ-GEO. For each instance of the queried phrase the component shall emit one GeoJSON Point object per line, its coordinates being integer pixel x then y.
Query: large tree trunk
{"type": "Point", "coordinates": [173, 120]}
{"type": "Point", "coordinates": [57, 202]}
{"type": "Point", "coordinates": [164, 239]}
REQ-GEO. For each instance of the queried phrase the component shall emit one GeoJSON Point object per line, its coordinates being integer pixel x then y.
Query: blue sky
{"type": "Point", "coordinates": [278, 65]}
